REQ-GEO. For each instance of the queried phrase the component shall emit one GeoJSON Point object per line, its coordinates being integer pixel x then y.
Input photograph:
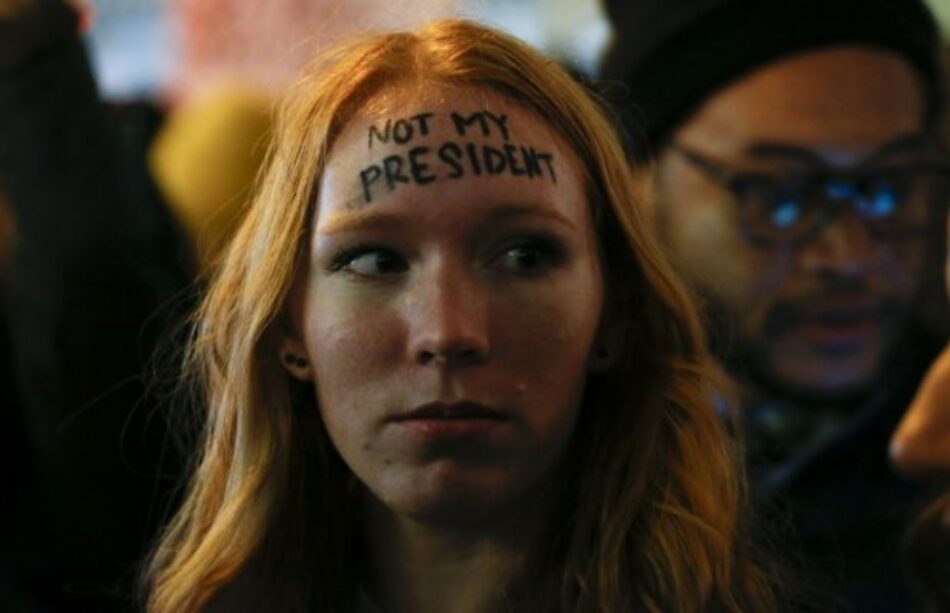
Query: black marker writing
{"type": "Point", "coordinates": [548, 159]}
{"type": "Point", "coordinates": [450, 153]}
{"type": "Point", "coordinates": [392, 167]}
{"type": "Point", "coordinates": [481, 119]}
{"type": "Point", "coordinates": [454, 161]}
{"type": "Point", "coordinates": [473, 157]}
{"type": "Point", "coordinates": [501, 121]}
{"type": "Point", "coordinates": [400, 131]}
{"type": "Point", "coordinates": [368, 176]}
{"type": "Point", "coordinates": [418, 168]}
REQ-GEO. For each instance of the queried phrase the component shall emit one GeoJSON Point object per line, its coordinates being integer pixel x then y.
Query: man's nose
{"type": "Point", "coordinates": [447, 312]}
{"type": "Point", "coordinates": [844, 247]}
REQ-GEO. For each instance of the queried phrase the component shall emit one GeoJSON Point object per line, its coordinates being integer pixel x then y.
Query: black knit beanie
{"type": "Point", "coordinates": [673, 54]}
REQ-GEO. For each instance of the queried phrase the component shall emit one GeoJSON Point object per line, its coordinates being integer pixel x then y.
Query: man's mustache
{"type": "Point", "coordinates": [840, 304]}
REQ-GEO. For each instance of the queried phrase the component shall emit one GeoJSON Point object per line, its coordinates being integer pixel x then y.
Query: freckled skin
{"type": "Point", "coordinates": [842, 105]}
{"type": "Point", "coordinates": [456, 321]}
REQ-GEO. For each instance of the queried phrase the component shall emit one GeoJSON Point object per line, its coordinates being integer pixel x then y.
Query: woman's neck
{"type": "Point", "coordinates": [421, 567]}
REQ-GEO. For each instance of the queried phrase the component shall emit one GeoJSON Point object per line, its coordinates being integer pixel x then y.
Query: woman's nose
{"type": "Point", "coordinates": [447, 312]}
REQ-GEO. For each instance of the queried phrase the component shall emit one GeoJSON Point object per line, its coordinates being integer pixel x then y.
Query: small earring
{"type": "Point", "coordinates": [602, 359]}
{"type": "Point", "coordinates": [295, 360]}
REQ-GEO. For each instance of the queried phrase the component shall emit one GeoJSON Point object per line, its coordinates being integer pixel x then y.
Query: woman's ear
{"type": "Point", "coordinates": [606, 349]}
{"type": "Point", "coordinates": [291, 348]}
{"type": "Point", "coordinates": [293, 355]}
{"type": "Point", "coordinates": [609, 340]}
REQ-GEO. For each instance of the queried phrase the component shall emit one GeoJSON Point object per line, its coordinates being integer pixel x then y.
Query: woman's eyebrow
{"type": "Point", "coordinates": [349, 220]}
{"type": "Point", "coordinates": [505, 212]}
{"type": "Point", "coordinates": [374, 219]}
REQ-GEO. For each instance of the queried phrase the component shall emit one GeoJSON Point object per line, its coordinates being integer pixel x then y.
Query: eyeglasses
{"type": "Point", "coordinates": [894, 200]}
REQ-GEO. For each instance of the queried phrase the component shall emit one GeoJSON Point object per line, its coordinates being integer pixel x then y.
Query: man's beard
{"type": "Point", "coordinates": [748, 360]}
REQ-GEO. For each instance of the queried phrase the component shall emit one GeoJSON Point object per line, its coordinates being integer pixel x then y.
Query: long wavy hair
{"type": "Point", "coordinates": [652, 501]}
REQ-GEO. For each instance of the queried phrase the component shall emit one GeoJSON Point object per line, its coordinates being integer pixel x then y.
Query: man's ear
{"type": "Point", "coordinates": [292, 353]}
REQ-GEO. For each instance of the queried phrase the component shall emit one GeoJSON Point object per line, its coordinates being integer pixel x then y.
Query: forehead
{"type": "Point", "coordinates": [406, 142]}
{"type": "Point", "coordinates": [848, 98]}
{"type": "Point", "coordinates": [460, 107]}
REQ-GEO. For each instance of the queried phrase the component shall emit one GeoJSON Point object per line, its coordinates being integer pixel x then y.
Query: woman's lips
{"type": "Point", "coordinates": [438, 419]}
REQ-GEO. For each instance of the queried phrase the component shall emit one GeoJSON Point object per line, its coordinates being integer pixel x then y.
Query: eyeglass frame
{"type": "Point", "coordinates": [721, 175]}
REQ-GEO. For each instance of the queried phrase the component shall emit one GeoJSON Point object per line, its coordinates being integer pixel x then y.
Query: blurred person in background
{"type": "Point", "coordinates": [793, 162]}
{"type": "Point", "coordinates": [87, 471]}
{"type": "Point", "coordinates": [235, 58]}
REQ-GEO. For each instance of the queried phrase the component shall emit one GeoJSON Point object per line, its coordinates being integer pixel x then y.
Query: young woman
{"type": "Point", "coordinates": [445, 366]}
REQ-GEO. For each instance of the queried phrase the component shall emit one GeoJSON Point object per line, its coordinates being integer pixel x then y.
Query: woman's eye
{"type": "Point", "coordinates": [370, 262]}
{"type": "Point", "coordinates": [527, 258]}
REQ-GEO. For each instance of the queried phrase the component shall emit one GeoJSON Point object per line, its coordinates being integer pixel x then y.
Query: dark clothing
{"type": "Point", "coordinates": [88, 475]}
{"type": "Point", "coordinates": [842, 501]}
{"type": "Point", "coordinates": [672, 55]}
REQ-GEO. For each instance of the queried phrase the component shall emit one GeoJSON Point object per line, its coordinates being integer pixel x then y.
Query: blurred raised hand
{"type": "Point", "coordinates": [921, 445]}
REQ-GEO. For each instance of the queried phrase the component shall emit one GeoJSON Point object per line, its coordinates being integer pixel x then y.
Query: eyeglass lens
{"type": "Point", "coordinates": [889, 202]}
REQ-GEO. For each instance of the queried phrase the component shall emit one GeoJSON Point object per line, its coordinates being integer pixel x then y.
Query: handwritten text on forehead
{"type": "Point", "coordinates": [451, 159]}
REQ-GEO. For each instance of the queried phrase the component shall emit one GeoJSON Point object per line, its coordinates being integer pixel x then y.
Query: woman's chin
{"type": "Point", "coordinates": [450, 497]}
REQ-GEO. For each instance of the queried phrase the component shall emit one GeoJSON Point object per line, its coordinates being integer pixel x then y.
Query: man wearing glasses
{"type": "Point", "coordinates": [789, 146]}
